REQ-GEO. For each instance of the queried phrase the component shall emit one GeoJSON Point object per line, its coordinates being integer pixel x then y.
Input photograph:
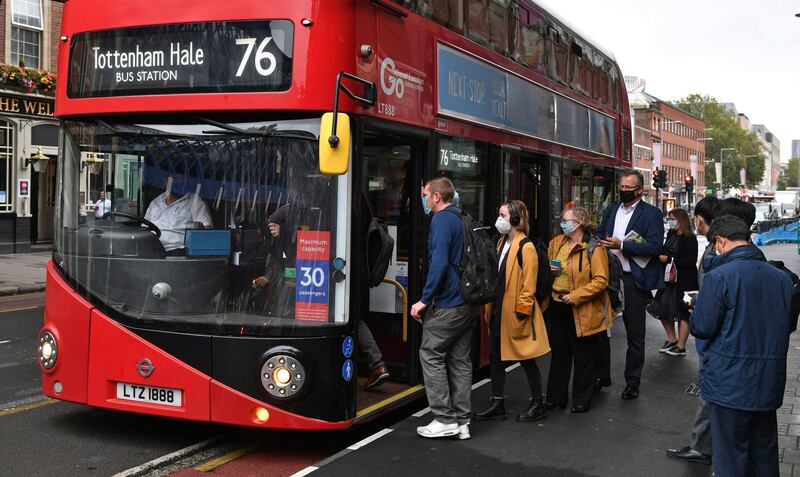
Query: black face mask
{"type": "Point", "coordinates": [628, 195]}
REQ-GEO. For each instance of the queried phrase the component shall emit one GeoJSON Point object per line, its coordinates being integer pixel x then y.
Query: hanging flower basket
{"type": "Point", "coordinates": [29, 80]}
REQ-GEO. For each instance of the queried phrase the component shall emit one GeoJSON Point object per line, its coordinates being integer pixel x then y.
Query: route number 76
{"type": "Point", "coordinates": [261, 56]}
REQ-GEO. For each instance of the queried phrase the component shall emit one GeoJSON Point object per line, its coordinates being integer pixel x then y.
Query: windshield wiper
{"type": "Point", "coordinates": [270, 131]}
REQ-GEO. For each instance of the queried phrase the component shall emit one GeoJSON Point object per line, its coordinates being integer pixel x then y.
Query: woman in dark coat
{"type": "Point", "coordinates": [680, 248]}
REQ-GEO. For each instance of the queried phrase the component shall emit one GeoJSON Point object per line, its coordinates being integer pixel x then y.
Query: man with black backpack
{"type": "Point", "coordinates": [450, 321]}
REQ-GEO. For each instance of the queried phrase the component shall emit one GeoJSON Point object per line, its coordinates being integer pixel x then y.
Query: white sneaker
{"type": "Point", "coordinates": [463, 432]}
{"type": "Point", "coordinates": [438, 429]}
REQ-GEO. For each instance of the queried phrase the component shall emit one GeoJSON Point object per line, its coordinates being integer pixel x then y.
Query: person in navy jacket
{"type": "Point", "coordinates": [449, 322]}
{"type": "Point", "coordinates": [744, 315]}
{"type": "Point", "coordinates": [642, 272]}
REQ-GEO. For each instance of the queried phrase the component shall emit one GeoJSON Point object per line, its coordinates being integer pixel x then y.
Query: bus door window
{"type": "Point", "coordinates": [386, 194]}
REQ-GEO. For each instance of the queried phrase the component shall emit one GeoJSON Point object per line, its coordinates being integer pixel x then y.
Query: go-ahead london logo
{"type": "Point", "coordinates": [393, 81]}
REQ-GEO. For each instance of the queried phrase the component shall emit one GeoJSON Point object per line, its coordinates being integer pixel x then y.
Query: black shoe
{"type": "Point", "coordinates": [687, 454]}
{"type": "Point", "coordinates": [549, 405]}
{"type": "Point", "coordinates": [667, 345]}
{"type": "Point", "coordinates": [601, 383]}
{"type": "Point", "coordinates": [580, 408]}
{"type": "Point", "coordinates": [675, 351]}
{"type": "Point", "coordinates": [495, 411]}
{"type": "Point", "coordinates": [631, 392]}
{"type": "Point", "coordinates": [535, 412]}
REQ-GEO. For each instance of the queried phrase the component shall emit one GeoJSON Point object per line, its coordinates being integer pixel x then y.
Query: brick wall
{"type": "Point", "coordinates": [56, 9]}
{"type": "Point", "coordinates": [3, 33]}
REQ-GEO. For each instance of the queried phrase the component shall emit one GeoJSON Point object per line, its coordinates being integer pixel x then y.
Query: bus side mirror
{"type": "Point", "coordinates": [334, 144]}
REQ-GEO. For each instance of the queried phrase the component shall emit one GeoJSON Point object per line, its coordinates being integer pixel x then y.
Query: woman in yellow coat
{"type": "Point", "coordinates": [516, 327]}
{"type": "Point", "coordinates": [579, 310]}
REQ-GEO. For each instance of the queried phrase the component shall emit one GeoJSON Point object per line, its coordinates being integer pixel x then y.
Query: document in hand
{"type": "Point", "coordinates": [636, 237]}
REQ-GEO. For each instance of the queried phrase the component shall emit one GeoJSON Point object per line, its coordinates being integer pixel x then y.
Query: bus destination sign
{"type": "Point", "coordinates": [215, 57]}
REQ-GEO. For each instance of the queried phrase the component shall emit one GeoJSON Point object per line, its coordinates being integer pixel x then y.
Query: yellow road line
{"type": "Point", "coordinates": [27, 407]}
{"type": "Point", "coordinates": [224, 459]}
{"type": "Point", "coordinates": [388, 401]}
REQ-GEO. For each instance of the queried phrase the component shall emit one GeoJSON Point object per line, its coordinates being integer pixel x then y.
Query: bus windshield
{"type": "Point", "coordinates": [202, 227]}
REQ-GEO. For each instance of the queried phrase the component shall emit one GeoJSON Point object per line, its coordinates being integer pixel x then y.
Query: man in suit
{"type": "Point", "coordinates": [642, 271]}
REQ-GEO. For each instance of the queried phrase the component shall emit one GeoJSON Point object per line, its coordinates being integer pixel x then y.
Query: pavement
{"type": "Point", "coordinates": [23, 272]}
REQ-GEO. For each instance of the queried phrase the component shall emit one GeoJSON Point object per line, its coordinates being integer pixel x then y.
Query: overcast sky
{"type": "Point", "coordinates": [738, 51]}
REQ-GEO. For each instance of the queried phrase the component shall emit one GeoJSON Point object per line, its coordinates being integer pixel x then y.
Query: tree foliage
{"type": "Point", "coordinates": [738, 148]}
{"type": "Point", "coordinates": [792, 173]}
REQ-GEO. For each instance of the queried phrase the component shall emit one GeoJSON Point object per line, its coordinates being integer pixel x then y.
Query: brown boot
{"type": "Point", "coordinates": [377, 377]}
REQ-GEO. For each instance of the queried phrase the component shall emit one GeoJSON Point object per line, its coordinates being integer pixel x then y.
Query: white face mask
{"type": "Point", "coordinates": [502, 225]}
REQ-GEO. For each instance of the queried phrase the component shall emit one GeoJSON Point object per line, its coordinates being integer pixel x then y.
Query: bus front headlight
{"type": "Point", "coordinates": [48, 350]}
{"type": "Point", "coordinates": [283, 376]}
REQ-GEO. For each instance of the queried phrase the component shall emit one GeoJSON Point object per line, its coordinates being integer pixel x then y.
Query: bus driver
{"type": "Point", "coordinates": [174, 211]}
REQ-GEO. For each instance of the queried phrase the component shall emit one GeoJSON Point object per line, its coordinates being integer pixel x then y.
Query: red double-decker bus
{"type": "Point", "coordinates": [243, 306]}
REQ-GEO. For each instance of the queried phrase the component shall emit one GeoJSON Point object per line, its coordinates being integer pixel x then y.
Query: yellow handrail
{"type": "Point", "coordinates": [405, 305]}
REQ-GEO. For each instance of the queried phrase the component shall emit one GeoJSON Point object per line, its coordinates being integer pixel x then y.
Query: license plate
{"type": "Point", "coordinates": [151, 394]}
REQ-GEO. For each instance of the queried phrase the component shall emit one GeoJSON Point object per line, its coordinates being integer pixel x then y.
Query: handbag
{"type": "Point", "coordinates": [671, 272]}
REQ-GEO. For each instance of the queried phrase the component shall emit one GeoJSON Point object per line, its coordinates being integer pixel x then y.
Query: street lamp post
{"type": "Point", "coordinates": [664, 122]}
{"type": "Point", "coordinates": [719, 179]}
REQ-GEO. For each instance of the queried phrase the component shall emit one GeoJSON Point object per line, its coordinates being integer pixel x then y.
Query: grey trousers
{"type": "Point", "coordinates": [701, 429]}
{"type": "Point", "coordinates": [446, 362]}
{"type": "Point", "coordinates": [368, 346]}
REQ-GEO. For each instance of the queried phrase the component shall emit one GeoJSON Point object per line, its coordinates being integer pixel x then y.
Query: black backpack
{"type": "Point", "coordinates": [795, 300]}
{"type": "Point", "coordinates": [379, 251]}
{"type": "Point", "coordinates": [544, 281]}
{"type": "Point", "coordinates": [478, 267]}
{"type": "Point", "coordinates": [614, 275]}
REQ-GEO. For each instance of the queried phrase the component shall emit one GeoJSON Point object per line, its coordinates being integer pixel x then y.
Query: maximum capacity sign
{"type": "Point", "coordinates": [313, 267]}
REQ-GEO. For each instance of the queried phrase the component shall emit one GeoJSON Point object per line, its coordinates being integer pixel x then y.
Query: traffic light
{"type": "Point", "coordinates": [657, 179]}
{"type": "Point", "coordinates": [688, 181]}
{"type": "Point", "coordinates": [664, 178]}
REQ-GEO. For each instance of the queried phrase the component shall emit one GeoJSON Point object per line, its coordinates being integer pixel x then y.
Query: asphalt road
{"type": "Point", "coordinates": [41, 436]}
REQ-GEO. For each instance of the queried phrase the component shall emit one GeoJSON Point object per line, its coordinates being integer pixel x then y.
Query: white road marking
{"type": "Point", "coordinates": [305, 471]}
{"type": "Point", "coordinates": [372, 438]}
{"type": "Point", "coordinates": [178, 454]}
{"type": "Point", "coordinates": [5, 341]}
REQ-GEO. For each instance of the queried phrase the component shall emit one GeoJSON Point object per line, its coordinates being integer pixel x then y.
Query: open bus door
{"type": "Point", "coordinates": [386, 169]}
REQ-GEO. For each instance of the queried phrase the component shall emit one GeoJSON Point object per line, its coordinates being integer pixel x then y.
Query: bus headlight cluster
{"type": "Point", "coordinates": [283, 376]}
{"type": "Point", "coordinates": [48, 350]}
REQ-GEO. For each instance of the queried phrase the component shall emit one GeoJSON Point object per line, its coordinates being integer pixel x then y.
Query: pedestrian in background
{"type": "Point", "coordinates": [705, 211]}
{"type": "Point", "coordinates": [634, 231]}
{"type": "Point", "coordinates": [679, 254]}
{"type": "Point", "coordinates": [744, 315]}
{"type": "Point", "coordinates": [449, 323]}
{"type": "Point", "coordinates": [102, 206]}
{"type": "Point", "coordinates": [580, 310]}
{"type": "Point", "coordinates": [516, 326]}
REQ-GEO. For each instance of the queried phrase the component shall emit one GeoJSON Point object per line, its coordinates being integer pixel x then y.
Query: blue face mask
{"type": "Point", "coordinates": [568, 227]}
{"type": "Point", "coordinates": [425, 207]}
{"type": "Point", "coordinates": [673, 224]}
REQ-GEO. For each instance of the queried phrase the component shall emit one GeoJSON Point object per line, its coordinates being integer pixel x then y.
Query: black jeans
{"type": "Point", "coordinates": [568, 349]}
{"type": "Point", "coordinates": [497, 367]}
{"type": "Point", "coordinates": [634, 319]}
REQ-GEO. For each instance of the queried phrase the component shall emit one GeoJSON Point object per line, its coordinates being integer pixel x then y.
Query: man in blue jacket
{"type": "Point", "coordinates": [449, 323]}
{"type": "Point", "coordinates": [642, 272]}
{"type": "Point", "coordinates": [743, 314]}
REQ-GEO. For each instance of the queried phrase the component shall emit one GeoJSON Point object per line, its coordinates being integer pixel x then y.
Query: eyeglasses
{"type": "Point", "coordinates": [628, 187]}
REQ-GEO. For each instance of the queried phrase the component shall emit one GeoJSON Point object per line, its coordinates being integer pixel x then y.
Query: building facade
{"type": "Point", "coordinates": [671, 139]}
{"type": "Point", "coordinates": [795, 147]}
{"type": "Point", "coordinates": [771, 151]}
{"type": "Point", "coordinates": [29, 32]}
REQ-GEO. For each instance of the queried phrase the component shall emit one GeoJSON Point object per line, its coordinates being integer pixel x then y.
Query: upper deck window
{"type": "Point", "coordinates": [26, 32]}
